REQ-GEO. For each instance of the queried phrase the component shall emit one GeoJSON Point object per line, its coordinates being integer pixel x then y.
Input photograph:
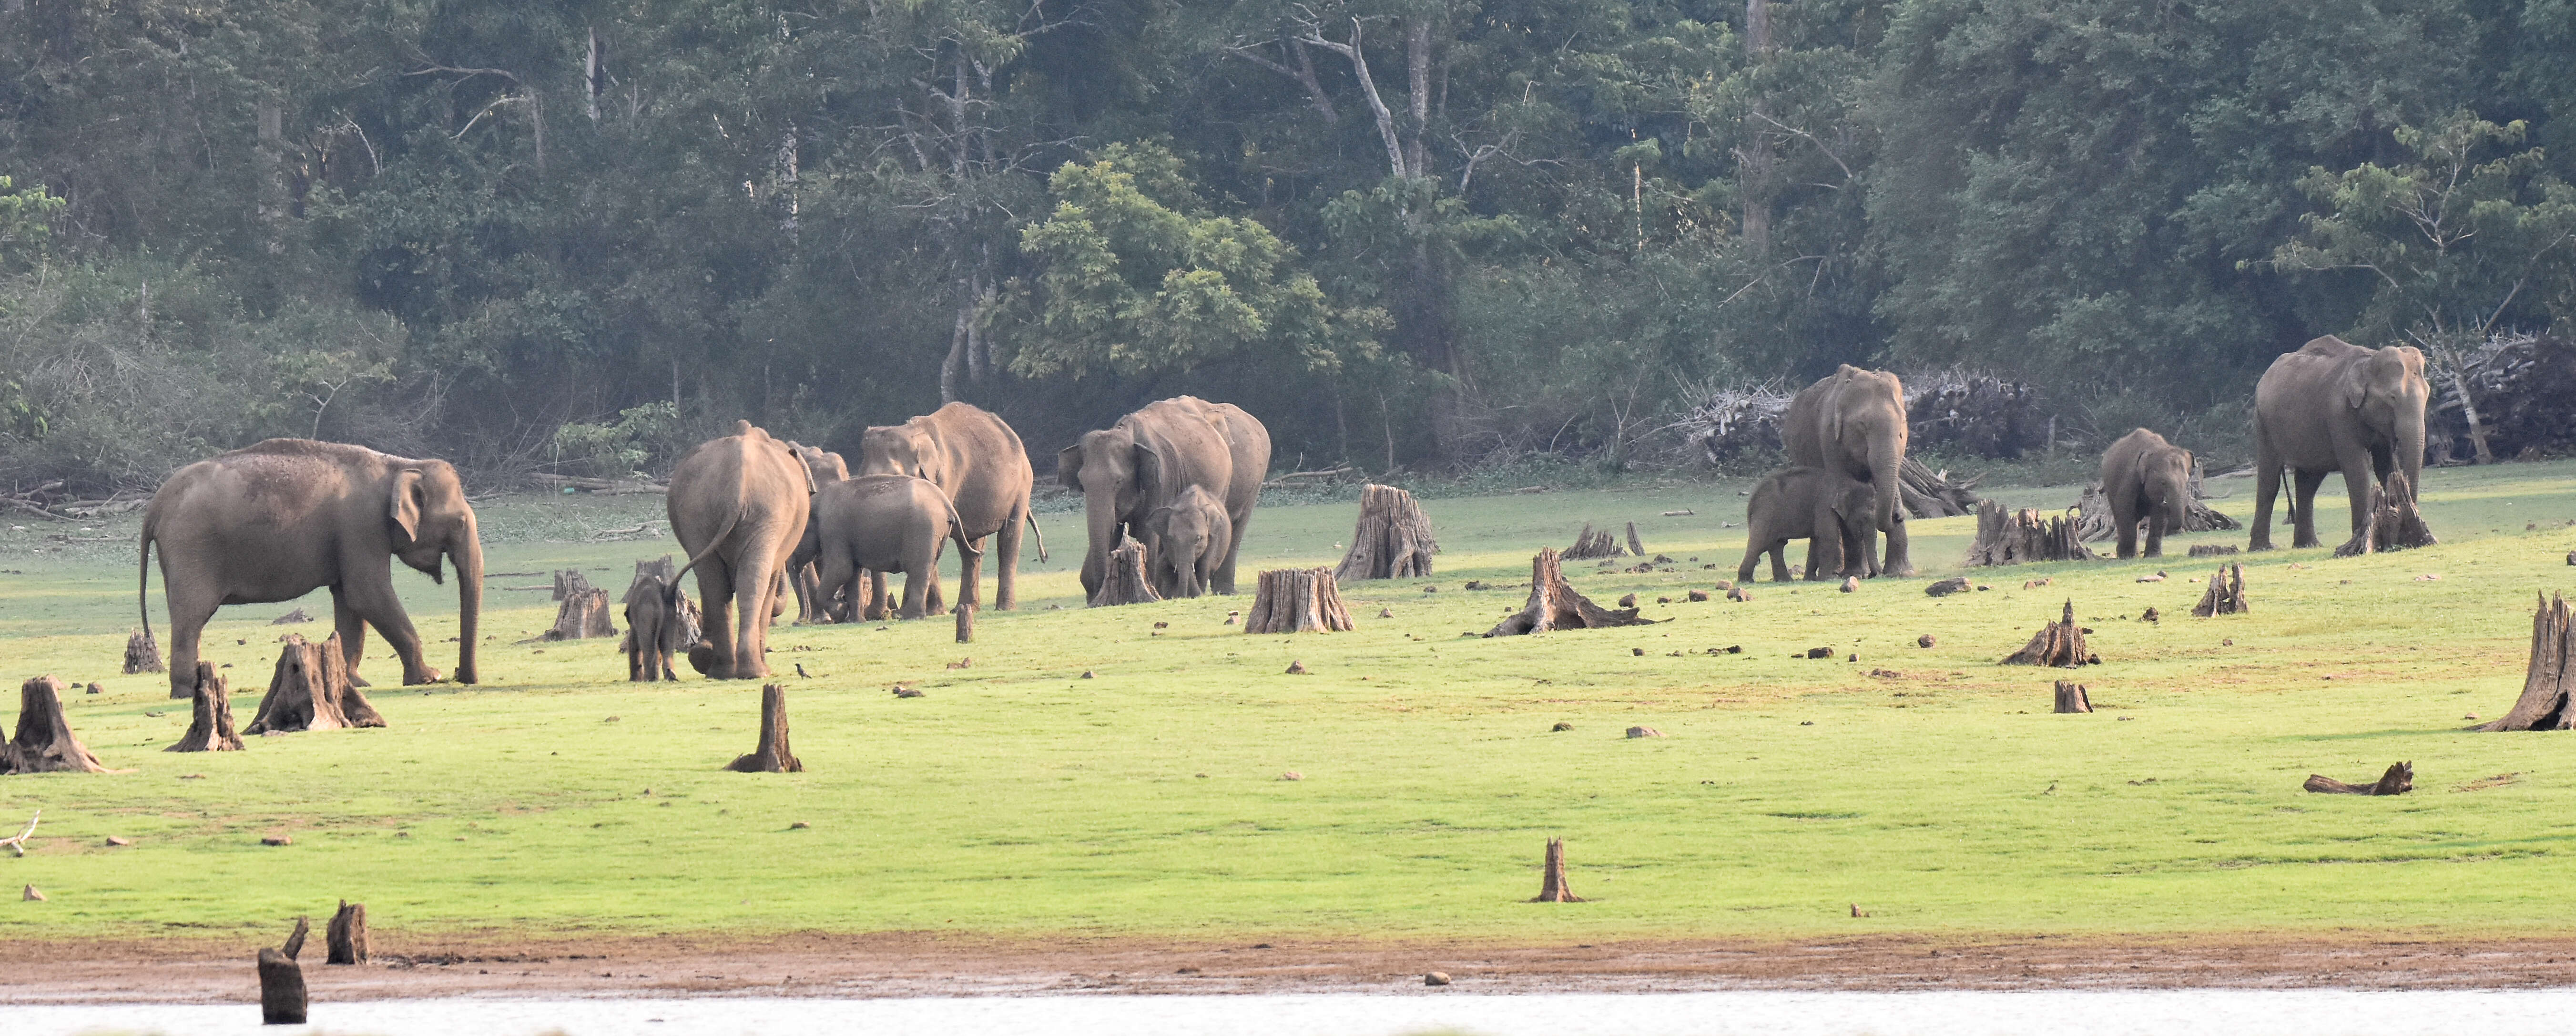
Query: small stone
{"type": "Point", "coordinates": [799, 826]}
{"type": "Point", "coordinates": [1663, 600]}
{"type": "Point", "coordinates": [114, 840]}
{"type": "Point", "coordinates": [1637, 651]}
{"type": "Point", "coordinates": [1644, 732]}
{"type": "Point", "coordinates": [1926, 640]}
{"type": "Point", "coordinates": [94, 688]}
{"type": "Point", "coordinates": [901, 691]}
{"type": "Point", "coordinates": [277, 840]}
{"type": "Point", "coordinates": [1296, 668]}
{"type": "Point", "coordinates": [1563, 726]}
{"type": "Point", "coordinates": [1981, 588]}
{"type": "Point", "coordinates": [1627, 600]}
{"type": "Point", "coordinates": [1436, 978]}
{"type": "Point", "coordinates": [2034, 584]}
{"type": "Point", "coordinates": [2229, 642]}
{"type": "Point", "coordinates": [1292, 775]}
{"type": "Point", "coordinates": [2427, 577]}
{"type": "Point", "coordinates": [1383, 613]}
{"type": "Point", "coordinates": [1853, 657]}
{"type": "Point", "coordinates": [1946, 587]}
{"type": "Point", "coordinates": [1738, 593]}
{"type": "Point", "coordinates": [31, 895]}
{"type": "Point", "coordinates": [1851, 583]}
{"type": "Point", "coordinates": [1162, 625]}
{"type": "Point", "coordinates": [1430, 589]}
{"type": "Point", "coordinates": [1735, 649]}
{"type": "Point", "coordinates": [1820, 652]}
{"type": "Point", "coordinates": [1698, 596]}
{"type": "Point", "coordinates": [2470, 716]}
{"type": "Point", "coordinates": [1726, 584]}
{"type": "Point", "coordinates": [2150, 615]}
{"type": "Point", "coordinates": [1086, 674]}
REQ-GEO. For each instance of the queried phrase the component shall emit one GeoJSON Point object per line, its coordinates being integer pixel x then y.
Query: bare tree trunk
{"type": "Point", "coordinates": [1551, 885]}
{"type": "Point", "coordinates": [1392, 540]}
{"type": "Point", "coordinates": [956, 361]}
{"type": "Point", "coordinates": [1756, 153]}
{"type": "Point", "coordinates": [2549, 678]}
{"type": "Point", "coordinates": [1417, 60]}
{"type": "Point", "coordinates": [773, 755]}
{"type": "Point", "coordinates": [2450, 361]}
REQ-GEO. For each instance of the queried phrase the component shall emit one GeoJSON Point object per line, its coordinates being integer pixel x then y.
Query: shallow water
{"type": "Point", "coordinates": [2313, 1012]}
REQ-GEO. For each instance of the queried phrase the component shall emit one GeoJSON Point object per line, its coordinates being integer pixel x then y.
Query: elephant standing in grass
{"type": "Point", "coordinates": [275, 521]}
{"type": "Point", "coordinates": [1853, 422]}
{"type": "Point", "coordinates": [826, 468]}
{"type": "Point", "coordinates": [2146, 478]}
{"type": "Point", "coordinates": [738, 505]}
{"type": "Point", "coordinates": [875, 524]}
{"type": "Point", "coordinates": [2334, 406]}
{"type": "Point", "coordinates": [657, 626]}
{"type": "Point", "coordinates": [1831, 511]}
{"type": "Point", "coordinates": [1191, 537]}
{"type": "Point", "coordinates": [1148, 458]}
{"type": "Point", "coordinates": [975, 458]}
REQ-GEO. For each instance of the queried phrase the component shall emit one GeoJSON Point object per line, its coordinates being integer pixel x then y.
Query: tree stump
{"type": "Point", "coordinates": [346, 936]}
{"type": "Point", "coordinates": [2071, 698]}
{"type": "Point", "coordinates": [773, 755]}
{"type": "Point", "coordinates": [2394, 523]}
{"type": "Point", "coordinates": [2550, 677]}
{"type": "Point", "coordinates": [1392, 540]}
{"type": "Point", "coordinates": [311, 691]}
{"type": "Point", "coordinates": [44, 741]}
{"type": "Point", "coordinates": [1124, 582]}
{"type": "Point", "coordinates": [2059, 644]}
{"type": "Point", "coordinates": [1635, 546]}
{"type": "Point", "coordinates": [1294, 600]}
{"type": "Point", "coordinates": [2094, 509]}
{"type": "Point", "coordinates": [2023, 536]}
{"type": "Point", "coordinates": [141, 654]}
{"type": "Point", "coordinates": [2399, 780]}
{"type": "Point", "coordinates": [210, 728]}
{"type": "Point", "coordinates": [2226, 593]}
{"type": "Point", "coordinates": [569, 582]}
{"type": "Point", "coordinates": [584, 611]}
{"type": "Point", "coordinates": [1552, 887]}
{"type": "Point", "coordinates": [965, 623]}
{"type": "Point", "coordinates": [1589, 545]}
{"type": "Point", "coordinates": [281, 989]}
{"type": "Point", "coordinates": [1553, 604]}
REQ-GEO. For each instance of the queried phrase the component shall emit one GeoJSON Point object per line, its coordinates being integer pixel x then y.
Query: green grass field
{"type": "Point", "coordinates": [1015, 799]}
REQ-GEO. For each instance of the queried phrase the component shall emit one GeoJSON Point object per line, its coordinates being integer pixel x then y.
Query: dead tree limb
{"type": "Point", "coordinates": [1589, 545]}
{"type": "Point", "coordinates": [1392, 540]}
{"type": "Point", "coordinates": [18, 844]}
{"type": "Point", "coordinates": [1553, 604]}
{"type": "Point", "coordinates": [1295, 600]}
{"type": "Point", "coordinates": [210, 726]}
{"type": "Point", "coordinates": [44, 741]}
{"type": "Point", "coordinates": [2399, 780]}
{"type": "Point", "coordinates": [281, 979]}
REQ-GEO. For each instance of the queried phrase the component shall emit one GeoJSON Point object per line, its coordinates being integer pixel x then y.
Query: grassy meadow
{"type": "Point", "coordinates": [1929, 786]}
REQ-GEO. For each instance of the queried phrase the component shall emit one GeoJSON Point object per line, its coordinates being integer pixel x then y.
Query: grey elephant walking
{"type": "Point", "coordinates": [1830, 510]}
{"type": "Point", "coordinates": [2146, 479]}
{"type": "Point", "coordinates": [973, 456]}
{"type": "Point", "coordinates": [1853, 421]}
{"type": "Point", "coordinates": [2335, 406]}
{"type": "Point", "coordinates": [875, 524]}
{"type": "Point", "coordinates": [1191, 537]}
{"type": "Point", "coordinates": [280, 519]}
{"type": "Point", "coordinates": [738, 505]}
{"type": "Point", "coordinates": [1145, 460]}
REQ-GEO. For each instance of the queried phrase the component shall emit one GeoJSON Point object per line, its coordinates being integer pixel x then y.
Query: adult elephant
{"type": "Point", "coordinates": [275, 521]}
{"type": "Point", "coordinates": [1853, 422]}
{"type": "Point", "coordinates": [738, 505]}
{"type": "Point", "coordinates": [2335, 406]}
{"type": "Point", "coordinates": [825, 468]}
{"type": "Point", "coordinates": [974, 457]}
{"type": "Point", "coordinates": [1149, 457]}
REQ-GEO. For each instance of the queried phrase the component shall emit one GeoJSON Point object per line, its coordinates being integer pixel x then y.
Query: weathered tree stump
{"type": "Point", "coordinates": [2059, 644]}
{"type": "Point", "coordinates": [1392, 540]}
{"type": "Point", "coordinates": [2549, 680]}
{"type": "Point", "coordinates": [1552, 887]}
{"type": "Point", "coordinates": [210, 728]}
{"type": "Point", "coordinates": [2226, 593]}
{"type": "Point", "coordinates": [773, 755]}
{"type": "Point", "coordinates": [141, 654]}
{"type": "Point", "coordinates": [2023, 536]}
{"type": "Point", "coordinates": [2095, 523]}
{"type": "Point", "coordinates": [1295, 600]}
{"type": "Point", "coordinates": [1635, 546]}
{"type": "Point", "coordinates": [2072, 698]}
{"type": "Point", "coordinates": [281, 989]}
{"type": "Point", "coordinates": [1124, 582]}
{"type": "Point", "coordinates": [2394, 523]}
{"type": "Point", "coordinates": [311, 691]}
{"type": "Point", "coordinates": [965, 623]}
{"type": "Point", "coordinates": [1589, 545]}
{"type": "Point", "coordinates": [1553, 604]}
{"type": "Point", "coordinates": [44, 741]}
{"type": "Point", "coordinates": [2399, 780]}
{"type": "Point", "coordinates": [583, 612]}
{"type": "Point", "coordinates": [346, 936]}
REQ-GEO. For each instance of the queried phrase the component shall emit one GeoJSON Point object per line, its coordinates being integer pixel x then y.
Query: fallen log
{"type": "Point", "coordinates": [18, 843]}
{"type": "Point", "coordinates": [2226, 593]}
{"type": "Point", "coordinates": [1392, 540]}
{"type": "Point", "coordinates": [597, 486]}
{"type": "Point", "coordinates": [2549, 678]}
{"type": "Point", "coordinates": [1552, 887]}
{"type": "Point", "coordinates": [210, 727]}
{"type": "Point", "coordinates": [2059, 644]}
{"type": "Point", "coordinates": [1930, 494]}
{"type": "Point", "coordinates": [773, 755]}
{"type": "Point", "coordinates": [1295, 600]}
{"type": "Point", "coordinates": [44, 742]}
{"type": "Point", "coordinates": [1553, 604]}
{"type": "Point", "coordinates": [2399, 780]}
{"type": "Point", "coordinates": [311, 690]}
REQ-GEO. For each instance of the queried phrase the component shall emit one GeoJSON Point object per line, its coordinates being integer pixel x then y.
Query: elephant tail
{"type": "Point", "coordinates": [718, 541]}
{"type": "Point", "coordinates": [957, 531]}
{"type": "Point", "coordinates": [1035, 532]}
{"type": "Point", "coordinates": [143, 582]}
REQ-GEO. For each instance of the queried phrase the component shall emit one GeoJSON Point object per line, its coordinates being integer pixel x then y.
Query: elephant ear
{"type": "Point", "coordinates": [404, 508]}
{"type": "Point", "coordinates": [1068, 466]}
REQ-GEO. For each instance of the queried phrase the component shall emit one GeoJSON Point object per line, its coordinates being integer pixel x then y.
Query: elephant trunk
{"type": "Point", "coordinates": [2410, 447]}
{"type": "Point", "coordinates": [1100, 512]}
{"type": "Point", "coordinates": [1886, 464]}
{"type": "Point", "coordinates": [467, 553]}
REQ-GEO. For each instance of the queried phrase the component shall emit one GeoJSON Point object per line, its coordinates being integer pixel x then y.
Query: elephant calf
{"type": "Point", "coordinates": [658, 622]}
{"type": "Point", "coordinates": [1831, 511]}
{"type": "Point", "coordinates": [1187, 540]}
{"type": "Point", "coordinates": [879, 524]}
{"type": "Point", "coordinates": [2145, 477]}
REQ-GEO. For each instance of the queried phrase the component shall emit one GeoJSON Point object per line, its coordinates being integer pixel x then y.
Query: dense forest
{"type": "Point", "coordinates": [578, 235]}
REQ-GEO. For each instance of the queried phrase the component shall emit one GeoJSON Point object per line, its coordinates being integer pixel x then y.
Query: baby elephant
{"type": "Point", "coordinates": [659, 621]}
{"type": "Point", "coordinates": [1186, 541]}
{"type": "Point", "coordinates": [1835, 513]}
{"type": "Point", "coordinates": [880, 524]}
{"type": "Point", "coordinates": [2146, 478]}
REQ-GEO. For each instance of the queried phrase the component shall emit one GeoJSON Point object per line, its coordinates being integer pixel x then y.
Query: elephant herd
{"type": "Point", "coordinates": [279, 519]}
{"type": "Point", "coordinates": [2328, 407]}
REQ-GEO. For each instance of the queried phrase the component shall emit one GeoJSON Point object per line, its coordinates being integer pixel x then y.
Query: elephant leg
{"type": "Point", "coordinates": [1814, 557]}
{"type": "Point", "coordinates": [1826, 547]}
{"type": "Point", "coordinates": [715, 602]}
{"type": "Point", "coordinates": [2360, 486]}
{"type": "Point", "coordinates": [2267, 485]}
{"type": "Point", "coordinates": [1233, 548]}
{"type": "Point", "coordinates": [1752, 557]}
{"type": "Point", "coordinates": [1900, 561]}
{"type": "Point", "coordinates": [1006, 564]}
{"type": "Point", "coordinates": [916, 588]}
{"type": "Point", "coordinates": [2155, 535]}
{"type": "Point", "coordinates": [2128, 535]}
{"type": "Point", "coordinates": [755, 610]}
{"type": "Point", "coordinates": [2303, 507]}
{"type": "Point", "coordinates": [189, 612]}
{"type": "Point", "coordinates": [879, 608]}
{"type": "Point", "coordinates": [1780, 561]}
{"type": "Point", "coordinates": [373, 599]}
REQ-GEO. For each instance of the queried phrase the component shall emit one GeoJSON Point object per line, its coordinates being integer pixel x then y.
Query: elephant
{"type": "Point", "coordinates": [738, 505]}
{"type": "Point", "coordinates": [655, 628]}
{"type": "Point", "coordinates": [2146, 478]}
{"type": "Point", "coordinates": [1191, 537]}
{"type": "Point", "coordinates": [1853, 421]}
{"type": "Point", "coordinates": [276, 520]}
{"type": "Point", "coordinates": [2334, 406]}
{"type": "Point", "coordinates": [975, 458]}
{"type": "Point", "coordinates": [1833, 512]}
{"type": "Point", "coordinates": [875, 524]}
{"type": "Point", "coordinates": [1145, 460]}
{"type": "Point", "coordinates": [826, 468]}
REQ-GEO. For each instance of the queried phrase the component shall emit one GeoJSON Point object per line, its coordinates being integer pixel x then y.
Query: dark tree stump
{"type": "Point", "coordinates": [1295, 600]}
{"type": "Point", "coordinates": [44, 741]}
{"type": "Point", "coordinates": [210, 728]}
{"type": "Point", "coordinates": [2095, 523]}
{"type": "Point", "coordinates": [2023, 536]}
{"type": "Point", "coordinates": [2550, 677]}
{"type": "Point", "coordinates": [1589, 545]}
{"type": "Point", "coordinates": [1552, 887]}
{"type": "Point", "coordinates": [346, 936]}
{"type": "Point", "coordinates": [1553, 604]}
{"type": "Point", "coordinates": [965, 623]}
{"type": "Point", "coordinates": [2071, 698]}
{"type": "Point", "coordinates": [281, 989]}
{"type": "Point", "coordinates": [2399, 780]}
{"type": "Point", "coordinates": [2394, 523]}
{"type": "Point", "coordinates": [311, 691]}
{"type": "Point", "coordinates": [773, 755]}
{"type": "Point", "coordinates": [1636, 546]}
{"type": "Point", "coordinates": [569, 582]}
{"type": "Point", "coordinates": [1124, 582]}
{"type": "Point", "coordinates": [141, 654]}
{"type": "Point", "coordinates": [1392, 540]}
{"type": "Point", "coordinates": [2226, 593]}
{"type": "Point", "coordinates": [583, 613]}
{"type": "Point", "coordinates": [2059, 644]}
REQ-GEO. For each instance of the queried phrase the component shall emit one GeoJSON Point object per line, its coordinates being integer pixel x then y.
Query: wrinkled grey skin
{"type": "Point", "coordinates": [876, 524]}
{"type": "Point", "coordinates": [277, 520]}
{"type": "Point", "coordinates": [1832, 511]}
{"type": "Point", "coordinates": [974, 457]}
{"type": "Point", "coordinates": [1192, 537]}
{"type": "Point", "coordinates": [2146, 479]}
{"type": "Point", "coordinates": [654, 630]}
{"type": "Point", "coordinates": [826, 468]}
{"type": "Point", "coordinates": [2334, 406]}
{"type": "Point", "coordinates": [1853, 422]}
{"type": "Point", "coordinates": [1144, 461]}
{"type": "Point", "coordinates": [738, 505]}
